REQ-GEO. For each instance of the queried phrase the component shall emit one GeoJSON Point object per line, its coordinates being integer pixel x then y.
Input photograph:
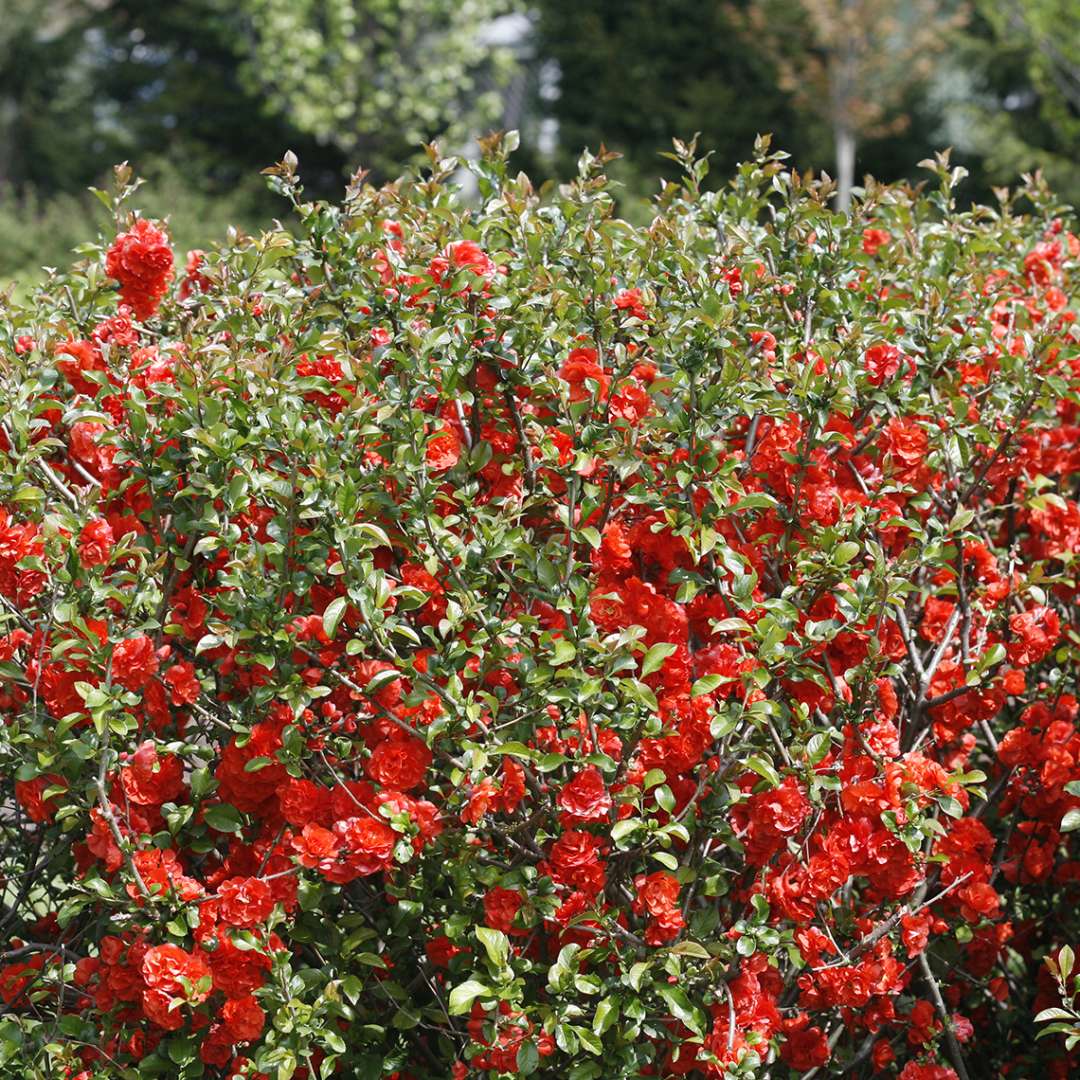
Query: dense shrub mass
{"type": "Point", "coordinates": [448, 641]}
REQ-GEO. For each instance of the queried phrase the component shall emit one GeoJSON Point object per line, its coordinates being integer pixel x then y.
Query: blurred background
{"type": "Point", "coordinates": [199, 95]}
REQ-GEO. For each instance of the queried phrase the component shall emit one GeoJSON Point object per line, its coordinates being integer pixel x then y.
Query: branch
{"type": "Point", "coordinates": [950, 1036]}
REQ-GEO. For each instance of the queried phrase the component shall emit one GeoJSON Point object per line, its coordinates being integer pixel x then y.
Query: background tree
{"type": "Point", "coordinates": [155, 84]}
{"type": "Point", "coordinates": [199, 95]}
{"type": "Point", "coordinates": [1049, 33]}
{"type": "Point", "coordinates": [169, 84]}
{"type": "Point", "coordinates": [634, 74]}
{"type": "Point", "coordinates": [851, 63]}
{"type": "Point", "coordinates": [374, 78]}
{"type": "Point", "coordinates": [34, 35]}
{"type": "Point", "coordinates": [1019, 109]}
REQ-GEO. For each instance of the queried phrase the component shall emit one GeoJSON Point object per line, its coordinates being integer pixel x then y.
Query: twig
{"type": "Point", "coordinates": [121, 843]}
{"type": "Point", "coordinates": [950, 1035]}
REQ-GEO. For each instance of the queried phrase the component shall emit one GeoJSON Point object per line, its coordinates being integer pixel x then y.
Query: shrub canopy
{"type": "Point", "coordinates": [471, 640]}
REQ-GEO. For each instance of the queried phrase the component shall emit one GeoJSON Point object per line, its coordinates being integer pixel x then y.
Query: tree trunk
{"type": "Point", "coordinates": [845, 166]}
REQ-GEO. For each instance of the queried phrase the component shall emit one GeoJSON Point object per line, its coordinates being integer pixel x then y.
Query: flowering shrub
{"type": "Point", "coordinates": [448, 642]}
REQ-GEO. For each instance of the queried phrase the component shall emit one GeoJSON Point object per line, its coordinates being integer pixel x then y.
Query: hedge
{"type": "Point", "coordinates": [449, 638]}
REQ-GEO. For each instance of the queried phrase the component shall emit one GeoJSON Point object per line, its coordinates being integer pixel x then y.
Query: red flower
{"type": "Point", "coordinates": [303, 803]}
{"type": "Point", "coordinates": [150, 779]}
{"type": "Point", "coordinates": [441, 950]}
{"type": "Point", "coordinates": [252, 791]}
{"type": "Point", "coordinates": [76, 360]}
{"type": "Point", "coordinates": [806, 1047]}
{"type": "Point", "coordinates": [243, 1018]}
{"type": "Point", "coordinates": [168, 967]}
{"type": "Point", "coordinates": [481, 799]}
{"type": "Point", "coordinates": [586, 798]}
{"type": "Point", "coordinates": [764, 344]}
{"type": "Point", "coordinates": [84, 444]}
{"type": "Point", "coordinates": [466, 254]}
{"type": "Point", "coordinates": [630, 402]}
{"type": "Point", "coordinates": [443, 449]}
{"type": "Point", "coordinates": [913, 1070]}
{"type": "Point", "coordinates": [189, 612]}
{"type": "Point", "coordinates": [163, 1008]}
{"type": "Point", "coordinates": [1035, 633]}
{"type": "Point", "coordinates": [500, 908]}
{"type": "Point", "coordinates": [512, 789]}
{"type": "Point", "coordinates": [907, 444]}
{"type": "Point", "coordinates": [142, 261]}
{"type": "Point", "coordinates": [160, 871]}
{"type": "Point", "coordinates": [29, 793]}
{"type": "Point", "coordinates": [629, 300]}
{"type": "Point", "coordinates": [244, 902]}
{"type": "Point", "coordinates": [978, 901]}
{"type": "Point", "coordinates": [236, 971]}
{"type": "Point", "coordinates": [183, 684]}
{"type": "Point", "coordinates": [316, 848]}
{"type": "Point", "coordinates": [873, 239]}
{"type": "Point", "coordinates": [134, 662]}
{"type": "Point", "coordinates": [193, 277]}
{"type": "Point", "coordinates": [16, 978]}
{"type": "Point", "coordinates": [884, 361]}
{"type": "Point", "coordinates": [367, 846]}
{"type": "Point", "coordinates": [575, 861]}
{"type": "Point", "coordinates": [915, 932]}
{"type": "Point", "coordinates": [95, 543]}
{"type": "Point", "coordinates": [435, 608]}
{"type": "Point", "coordinates": [399, 763]}
{"type": "Point", "coordinates": [580, 366]}
{"type": "Point", "coordinates": [772, 816]}
{"type": "Point", "coordinates": [658, 895]}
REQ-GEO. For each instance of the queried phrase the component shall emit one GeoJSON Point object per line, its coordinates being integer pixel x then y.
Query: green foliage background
{"type": "Point", "coordinates": [201, 94]}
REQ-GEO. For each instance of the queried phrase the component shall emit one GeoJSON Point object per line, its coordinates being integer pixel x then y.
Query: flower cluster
{"type": "Point", "coordinates": [142, 261]}
{"type": "Point", "coordinates": [518, 643]}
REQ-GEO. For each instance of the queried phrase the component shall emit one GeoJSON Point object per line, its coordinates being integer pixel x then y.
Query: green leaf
{"type": "Point", "coordinates": [723, 723]}
{"type": "Point", "coordinates": [463, 995]}
{"type": "Point", "coordinates": [1071, 821]}
{"type": "Point", "coordinates": [655, 657]}
{"type": "Point", "coordinates": [746, 945]}
{"type": "Point", "coordinates": [223, 817]}
{"type": "Point", "coordinates": [181, 1050]}
{"type": "Point", "coordinates": [682, 1008]}
{"type": "Point", "coordinates": [496, 944]}
{"type": "Point", "coordinates": [332, 615]}
{"type": "Point", "coordinates": [764, 768]}
{"type": "Point", "coordinates": [607, 1012]}
{"type": "Point", "coordinates": [705, 685]}
{"type": "Point", "coordinates": [589, 1041]}
{"type": "Point", "coordinates": [1053, 1014]}
{"type": "Point", "coordinates": [550, 762]}
{"type": "Point", "coordinates": [1065, 960]}
{"type": "Point", "coordinates": [691, 948]}
{"type": "Point", "coordinates": [818, 747]}
{"type": "Point", "coordinates": [528, 1058]}
{"type": "Point", "coordinates": [845, 552]}
{"type": "Point", "coordinates": [207, 642]}
{"type": "Point", "coordinates": [202, 783]}
{"type": "Point", "coordinates": [563, 652]}
{"type": "Point", "coordinates": [381, 679]}
{"type": "Point", "coordinates": [623, 829]}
